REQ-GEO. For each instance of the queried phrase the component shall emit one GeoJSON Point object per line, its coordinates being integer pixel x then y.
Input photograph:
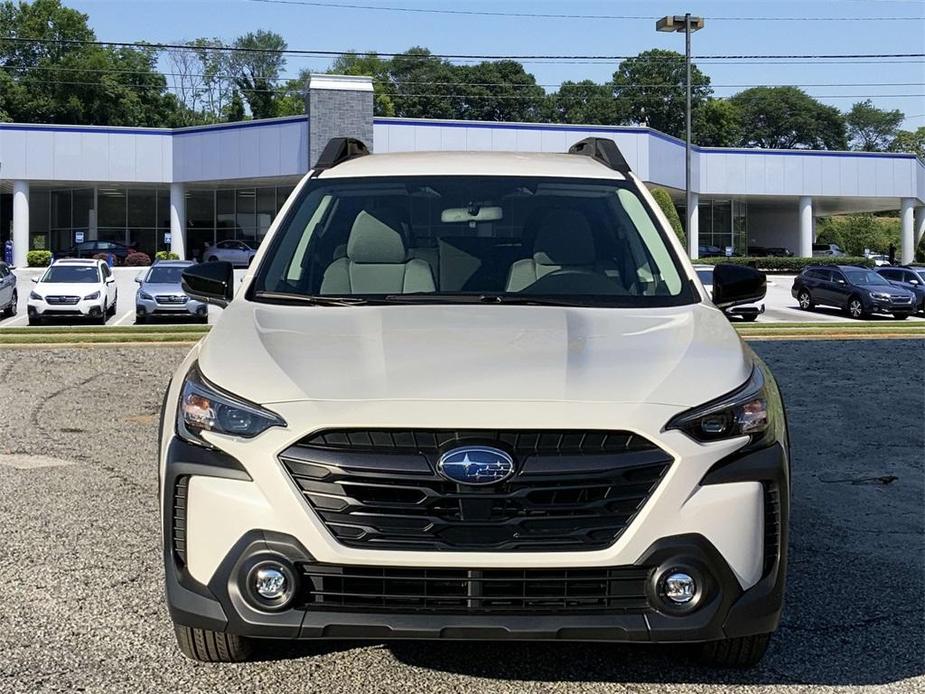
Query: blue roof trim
{"type": "Point", "coordinates": [638, 130]}
{"type": "Point", "coordinates": [197, 129]}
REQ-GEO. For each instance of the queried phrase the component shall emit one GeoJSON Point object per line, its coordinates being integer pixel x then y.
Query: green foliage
{"type": "Point", "coordinates": [857, 232]}
{"type": "Point", "coordinates": [425, 86]}
{"type": "Point", "coordinates": [38, 258]}
{"type": "Point", "coordinates": [650, 90]}
{"type": "Point", "coordinates": [872, 129]}
{"type": "Point", "coordinates": [371, 65]}
{"type": "Point", "coordinates": [717, 123]}
{"type": "Point", "coordinates": [787, 118]}
{"type": "Point", "coordinates": [910, 141]}
{"type": "Point", "coordinates": [257, 68]}
{"type": "Point", "coordinates": [234, 112]}
{"type": "Point", "coordinates": [791, 264]}
{"type": "Point", "coordinates": [585, 102]}
{"type": "Point", "coordinates": [671, 212]}
{"type": "Point", "coordinates": [166, 255]}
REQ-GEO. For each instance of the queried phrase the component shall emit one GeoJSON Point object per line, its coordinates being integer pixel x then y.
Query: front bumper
{"type": "Point", "coordinates": [150, 307]}
{"type": "Point", "coordinates": [84, 307]}
{"type": "Point", "coordinates": [726, 609]}
{"type": "Point", "coordinates": [891, 307]}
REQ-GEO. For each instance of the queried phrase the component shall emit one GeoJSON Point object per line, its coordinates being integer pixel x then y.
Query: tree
{"type": "Point", "coordinates": [856, 233]}
{"type": "Point", "coordinates": [788, 118]}
{"type": "Point", "coordinates": [234, 111]}
{"type": "Point", "coordinates": [717, 123]}
{"type": "Point", "coordinates": [650, 90]}
{"type": "Point", "coordinates": [872, 129]}
{"type": "Point", "coordinates": [372, 65]}
{"type": "Point", "coordinates": [582, 102]}
{"type": "Point", "coordinates": [256, 67]}
{"type": "Point", "coordinates": [671, 212]}
{"type": "Point", "coordinates": [910, 141]}
{"type": "Point", "coordinates": [499, 90]}
{"type": "Point", "coordinates": [424, 86]}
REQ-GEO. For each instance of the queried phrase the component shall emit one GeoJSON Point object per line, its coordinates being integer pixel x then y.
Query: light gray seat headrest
{"type": "Point", "coordinates": [564, 238]}
{"type": "Point", "coordinates": [374, 241]}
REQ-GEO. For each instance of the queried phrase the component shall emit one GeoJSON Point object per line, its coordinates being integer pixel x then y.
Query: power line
{"type": "Point", "coordinates": [546, 15]}
{"type": "Point", "coordinates": [447, 56]}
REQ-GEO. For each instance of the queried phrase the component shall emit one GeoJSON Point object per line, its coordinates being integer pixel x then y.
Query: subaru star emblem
{"type": "Point", "coordinates": [476, 465]}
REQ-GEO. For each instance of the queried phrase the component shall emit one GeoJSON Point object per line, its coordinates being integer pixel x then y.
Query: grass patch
{"type": "Point", "coordinates": [77, 338]}
{"type": "Point", "coordinates": [105, 329]}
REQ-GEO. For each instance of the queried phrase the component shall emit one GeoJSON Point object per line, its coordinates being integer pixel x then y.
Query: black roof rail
{"type": "Point", "coordinates": [604, 150]}
{"type": "Point", "coordinates": [337, 151]}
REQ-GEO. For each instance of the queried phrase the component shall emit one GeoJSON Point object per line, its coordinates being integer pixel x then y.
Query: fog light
{"type": "Point", "coordinates": [270, 582]}
{"type": "Point", "coordinates": [680, 588]}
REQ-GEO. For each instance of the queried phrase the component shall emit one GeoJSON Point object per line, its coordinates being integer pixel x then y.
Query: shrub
{"type": "Point", "coordinates": [102, 256]}
{"type": "Point", "coordinates": [38, 258]}
{"type": "Point", "coordinates": [857, 232]}
{"type": "Point", "coordinates": [789, 264]}
{"type": "Point", "coordinates": [137, 259]}
{"type": "Point", "coordinates": [166, 255]}
{"type": "Point", "coordinates": [667, 204]}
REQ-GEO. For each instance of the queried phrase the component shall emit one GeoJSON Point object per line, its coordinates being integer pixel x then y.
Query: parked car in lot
{"type": "Point", "coordinates": [88, 249]}
{"type": "Point", "coordinates": [8, 294]}
{"type": "Point", "coordinates": [880, 260]}
{"type": "Point", "coordinates": [910, 278]}
{"type": "Point", "coordinates": [827, 249]}
{"type": "Point", "coordinates": [237, 253]}
{"type": "Point", "coordinates": [747, 312]}
{"type": "Point", "coordinates": [516, 418]}
{"type": "Point", "coordinates": [160, 294]}
{"type": "Point", "coordinates": [857, 290]}
{"type": "Point", "coordinates": [75, 288]}
{"type": "Point", "coordinates": [773, 252]}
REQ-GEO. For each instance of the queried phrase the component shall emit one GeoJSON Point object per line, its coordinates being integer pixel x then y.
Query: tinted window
{"type": "Point", "coordinates": [860, 276]}
{"type": "Point", "coordinates": [582, 241]}
{"type": "Point", "coordinates": [78, 274]}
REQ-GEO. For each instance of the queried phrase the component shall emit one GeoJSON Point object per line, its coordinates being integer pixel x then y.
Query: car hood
{"type": "Point", "coordinates": [269, 353]}
{"type": "Point", "coordinates": [80, 289]}
{"type": "Point", "coordinates": [890, 289]}
{"type": "Point", "coordinates": [162, 288]}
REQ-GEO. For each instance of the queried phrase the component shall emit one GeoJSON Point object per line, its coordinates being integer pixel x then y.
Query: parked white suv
{"type": "Point", "coordinates": [473, 396]}
{"type": "Point", "coordinates": [77, 288]}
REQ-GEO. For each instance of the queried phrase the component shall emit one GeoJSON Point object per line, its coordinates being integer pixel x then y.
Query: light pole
{"type": "Point", "coordinates": [688, 25]}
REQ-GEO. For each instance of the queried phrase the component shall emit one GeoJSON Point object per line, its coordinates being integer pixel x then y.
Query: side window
{"type": "Point", "coordinates": [838, 277]}
{"type": "Point", "coordinates": [908, 276]}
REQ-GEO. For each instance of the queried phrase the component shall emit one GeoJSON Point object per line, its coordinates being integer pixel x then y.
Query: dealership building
{"type": "Point", "coordinates": [187, 188]}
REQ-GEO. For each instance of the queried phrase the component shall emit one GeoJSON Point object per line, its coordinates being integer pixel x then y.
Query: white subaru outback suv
{"type": "Point", "coordinates": [473, 396]}
{"type": "Point", "coordinates": [79, 288]}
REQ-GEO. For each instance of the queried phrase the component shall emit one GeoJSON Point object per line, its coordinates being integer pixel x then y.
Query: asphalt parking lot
{"type": "Point", "coordinates": [81, 604]}
{"type": "Point", "coordinates": [780, 307]}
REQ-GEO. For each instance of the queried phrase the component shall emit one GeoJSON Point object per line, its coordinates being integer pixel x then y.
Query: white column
{"type": "Point", "coordinates": [918, 223]}
{"type": "Point", "coordinates": [178, 220]}
{"type": "Point", "coordinates": [906, 230]}
{"type": "Point", "coordinates": [806, 227]}
{"type": "Point", "coordinates": [693, 227]}
{"type": "Point", "coordinates": [20, 222]}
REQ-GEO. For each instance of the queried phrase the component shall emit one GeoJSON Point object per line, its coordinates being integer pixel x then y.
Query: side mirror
{"type": "Point", "coordinates": [35, 280]}
{"type": "Point", "coordinates": [210, 282]}
{"type": "Point", "coordinates": [138, 279]}
{"type": "Point", "coordinates": [737, 284]}
{"type": "Point", "coordinates": [110, 279]}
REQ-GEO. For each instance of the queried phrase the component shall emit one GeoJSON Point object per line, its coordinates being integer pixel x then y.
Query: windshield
{"type": "Point", "coordinates": [72, 274]}
{"type": "Point", "coordinates": [864, 277]}
{"type": "Point", "coordinates": [165, 275]}
{"type": "Point", "coordinates": [467, 238]}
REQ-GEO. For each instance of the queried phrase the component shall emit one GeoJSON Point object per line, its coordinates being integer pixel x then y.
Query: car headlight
{"type": "Point", "coordinates": [743, 412]}
{"type": "Point", "coordinates": [91, 297]}
{"type": "Point", "coordinates": [145, 296]}
{"type": "Point", "coordinates": [880, 295]}
{"type": "Point", "coordinates": [204, 407]}
{"type": "Point", "coordinates": [35, 295]}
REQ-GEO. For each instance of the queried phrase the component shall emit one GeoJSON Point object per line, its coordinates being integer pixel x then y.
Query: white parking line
{"type": "Point", "coordinates": [128, 314]}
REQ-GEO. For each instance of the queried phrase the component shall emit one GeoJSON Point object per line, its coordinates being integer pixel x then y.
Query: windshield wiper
{"type": "Point", "coordinates": [311, 300]}
{"type": "Point", "coordinates": [523, 299]}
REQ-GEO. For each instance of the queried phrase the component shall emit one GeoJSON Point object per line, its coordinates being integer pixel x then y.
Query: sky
{"type": "Point", "coordinates": [897, 84]}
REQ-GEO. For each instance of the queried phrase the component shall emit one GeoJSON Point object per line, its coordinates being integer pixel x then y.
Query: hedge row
{"type": "Point", "coordinates": [789, 264]}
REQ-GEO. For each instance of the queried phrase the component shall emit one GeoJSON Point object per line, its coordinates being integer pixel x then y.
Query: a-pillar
{"type": "Point", "coordinates": [693, 226]}
{"type": "Point", "coordinates": [178, 220]}
{"type": "Point", "coordinates": [806, 227]}
{"type": "Point", "coordinates": [906, 212]}
{"type": "Point", "coordinates": [20, 222]}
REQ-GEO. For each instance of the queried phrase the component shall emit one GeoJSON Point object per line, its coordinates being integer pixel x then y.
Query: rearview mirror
{"type": "Point", "coordinates": [737, 284]}
{"type": "Point", "coordinates": [210, 282]}
{"type": "Point", "coordinates": [473, 213]}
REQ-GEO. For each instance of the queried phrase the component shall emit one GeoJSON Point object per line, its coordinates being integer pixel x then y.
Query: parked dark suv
{"type": "Point", "coordinates": [859, 291]}
{"type": "Point", "coordinates": [911, 279]}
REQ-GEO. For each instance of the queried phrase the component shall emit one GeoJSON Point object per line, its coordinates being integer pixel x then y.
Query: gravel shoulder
{"type": "Point", "coordinates": [82, 609]}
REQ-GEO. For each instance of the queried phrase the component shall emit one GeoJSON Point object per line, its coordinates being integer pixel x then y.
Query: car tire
{"type": "Point", "coordinates": [805, 300]}
{"type": "Point", "coordinates": [750, 318]}
{"type": "Point", "coordinates": [35, 320]}
{"type": "Point", "coordinates": [856, 309]}
{"type": "Point", "coordinates": [212, 646]}
{"type": "Point", "coordinates": [203, 319]}
{"type": "Point", "coordinates": [140, 320]}
{"type": "Point", "coordinates": [901, 316]}
{"type": "Point", "coordinates": [212, 258]}
{"type": "Point", "coordinates": [10, 310]}
{"type": "Point", "coordinates": [739, 652]}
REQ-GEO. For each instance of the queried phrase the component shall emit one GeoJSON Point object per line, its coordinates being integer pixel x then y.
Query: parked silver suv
{"type": "Point", "coordinates": [160, 294]}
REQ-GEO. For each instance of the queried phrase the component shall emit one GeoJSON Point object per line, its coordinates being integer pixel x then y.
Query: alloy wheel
{"type": "Point", "coordinates": [805, 301]}
{"type": "Point", "coordinates": [855, 308]}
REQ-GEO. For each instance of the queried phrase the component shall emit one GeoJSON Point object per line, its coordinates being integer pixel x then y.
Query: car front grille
{"type": "Point", "coordinates": [461, 591]}
{"type": "Point", "coordinates": [62, 300]}
{"type": "Point", "coordinates": [171, 299]}
{"type": "Point", "coordinates": [572, 490]}
{"type": "Point", "coordinates": [901, 300]}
